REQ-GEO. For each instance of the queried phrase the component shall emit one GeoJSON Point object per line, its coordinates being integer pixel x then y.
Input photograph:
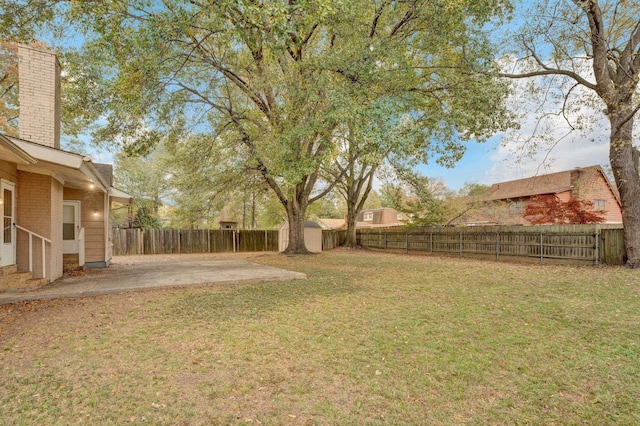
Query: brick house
{"type": "Point", "coordinates": [55, 204]}
{"type": "Point", "coordinates": [384, 217]}
{"type": "Point", "coordinates": [505, 202]}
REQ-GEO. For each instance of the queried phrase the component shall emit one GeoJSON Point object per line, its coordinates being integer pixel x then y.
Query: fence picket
{"type": "Point", "coordinates": [572, 243]}
{"type": "Point", "coordinates": [169, 241]}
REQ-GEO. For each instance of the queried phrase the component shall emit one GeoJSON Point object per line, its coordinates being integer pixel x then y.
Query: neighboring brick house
{"type": "Point", "coordinates": [55, 204]}
{"type": "Point", "coordinates": [384, 217]}
{"type": "Point", "coordinates": [505, 202]}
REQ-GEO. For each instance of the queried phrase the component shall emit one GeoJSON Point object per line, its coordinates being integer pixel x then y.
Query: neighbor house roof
{"type": "Point", "coordinates": [552, 183]}
{"type": "Point", "coordinates": [332, 223]}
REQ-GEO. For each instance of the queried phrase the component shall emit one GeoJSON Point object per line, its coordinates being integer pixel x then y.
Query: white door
{"type": "Point", "coordinates": [70, 226]}
{"type": "Point", "coordinates": [8, 234]}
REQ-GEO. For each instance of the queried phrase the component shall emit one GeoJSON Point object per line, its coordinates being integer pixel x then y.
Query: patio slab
{"type": "Point", "coordinates": [133, 273]}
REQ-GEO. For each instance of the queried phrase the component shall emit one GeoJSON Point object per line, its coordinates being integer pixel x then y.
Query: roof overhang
{"type": "Point", "coordinates": [12, 153]}
{"type": "Point", "coordinates": [527, 194]}
{"type": "Point", "coordinates": [119, 196]}
{"type": "Point", "coordinates": [70, 169]}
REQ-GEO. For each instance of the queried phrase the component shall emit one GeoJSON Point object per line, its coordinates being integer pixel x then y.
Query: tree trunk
{"type": "Point", "coordinates": [352, 214]}
{"type": "Point", "coordinates": [295, 214]}
{"type": "Point", "coordinates": [624, 164]}
{"type": "Point", "coordinates": [253, 210]}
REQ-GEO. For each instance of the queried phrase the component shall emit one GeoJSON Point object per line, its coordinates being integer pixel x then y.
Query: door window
{"type": "Point", "coordinates": [69, 222]}
{"type": "Point", "coordinates": [7, 215]}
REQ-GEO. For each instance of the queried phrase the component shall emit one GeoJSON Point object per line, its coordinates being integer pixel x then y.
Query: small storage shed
{"type": "Point", "coordinates": [228, 225]}
{"type": "Point", "coordinates": [312, 236]}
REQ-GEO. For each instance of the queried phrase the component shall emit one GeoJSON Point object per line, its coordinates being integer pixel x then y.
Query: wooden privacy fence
{"type": "Point", "coordinates": [332, 239]}
{"type": "Point", "coordinates": [574, 244]}
{"type": "Point", "coordinates": [167, 241]}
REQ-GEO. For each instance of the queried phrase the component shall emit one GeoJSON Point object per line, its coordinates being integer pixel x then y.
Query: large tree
{"type": "Point", "coordinates": [441, 98]}
{"type": "Point", "coordinates": [278, 77]}
{"type": "Point", "coordinates": [595, 46]}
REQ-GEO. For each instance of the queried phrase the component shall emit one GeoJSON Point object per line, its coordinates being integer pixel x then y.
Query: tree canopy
{"type": "Point", "coordinates": [281, 80]}
{"type": "Point", "coordinates": [550, 210]}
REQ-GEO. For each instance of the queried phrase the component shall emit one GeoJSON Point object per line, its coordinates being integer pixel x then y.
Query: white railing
{"type": "Point", "coordinates": [44, 241]}
{"type": "Point", "coordinates": [81, 247]}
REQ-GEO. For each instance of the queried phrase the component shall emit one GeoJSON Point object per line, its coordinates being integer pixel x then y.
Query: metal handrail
{"type": "Point", "coordinates": [43, 239]}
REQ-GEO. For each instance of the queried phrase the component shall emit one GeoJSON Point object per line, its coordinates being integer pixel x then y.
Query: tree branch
{"type": "Point", "coordinates": [553, 71]}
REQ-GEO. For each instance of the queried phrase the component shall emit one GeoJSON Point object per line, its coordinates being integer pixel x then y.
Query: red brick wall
{"type": "Point", "coordinates": [597, 189]}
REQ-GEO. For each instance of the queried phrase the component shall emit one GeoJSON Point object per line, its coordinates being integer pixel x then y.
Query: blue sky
{"type": "Point", "coordinates": [470, 169]}
{"type": "Point", "coordinates": [500, 158]}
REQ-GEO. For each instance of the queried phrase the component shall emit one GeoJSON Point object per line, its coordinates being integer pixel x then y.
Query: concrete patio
{"type": "Point", "coordinates": [133, 273]}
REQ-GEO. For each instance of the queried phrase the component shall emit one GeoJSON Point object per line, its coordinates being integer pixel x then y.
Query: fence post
{"type": "Point", "coordinates": [541, 246]}
{"type": "Point", "coordinates": [430, 242]}
{"type": "Point", "coordinates": [597, 251]}
{"type": "Point", "coordinates": [385, 240]}
{"type": "Point", "coordinates": [406, 241]}
{"type": "Point", "coordinates": [497, 245]}
{"type": "Point", "coordinates": [460, 243]}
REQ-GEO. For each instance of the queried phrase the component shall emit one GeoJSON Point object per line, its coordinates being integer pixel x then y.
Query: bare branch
{"type": "Point", "coordinates": [544, 72]}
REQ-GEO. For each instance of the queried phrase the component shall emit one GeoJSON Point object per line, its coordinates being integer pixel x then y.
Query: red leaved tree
{"type": "Point", "coordinates": [550, 210]}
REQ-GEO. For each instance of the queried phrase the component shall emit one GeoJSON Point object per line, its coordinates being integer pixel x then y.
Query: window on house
{"type": "Point", "coordinates": [368, 216]}
{"type": "Point", "coordinates": [399, 216]}
{"type": "Point", "coordinates": [516, 207]}
{"type": "Point", "coordinates": [598, 205]}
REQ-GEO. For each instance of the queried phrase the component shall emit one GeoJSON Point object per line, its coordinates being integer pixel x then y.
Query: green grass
{"type": "Point", "coordinates": [369, 338]}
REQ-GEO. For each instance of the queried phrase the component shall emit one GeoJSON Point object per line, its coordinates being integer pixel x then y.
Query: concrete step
{"type": "Point", "coordinates": [21, 281]}
{"type": "Point", "coordinates": [6, 270]}
{"type": "Point", "coordinates": [34, 283]}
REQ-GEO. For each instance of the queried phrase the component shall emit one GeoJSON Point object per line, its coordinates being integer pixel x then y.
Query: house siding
{"type": "Point", "coordinates": [8, 171]}
{"type": "Point", "coordinates": [109, 234]}
{"type": "Point", "coordinates": [93, 224]}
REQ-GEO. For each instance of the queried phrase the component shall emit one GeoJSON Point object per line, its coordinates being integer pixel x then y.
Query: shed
{"type": "Point", "coordinates": [312, 236]}
{"type": "Point", "coordinates": [229, 225]}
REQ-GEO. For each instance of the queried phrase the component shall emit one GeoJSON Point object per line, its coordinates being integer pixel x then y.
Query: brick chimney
{"type": "Point", "coordinates": [576, 178]}
{"type": "Point", "coordinates": [39, 87]}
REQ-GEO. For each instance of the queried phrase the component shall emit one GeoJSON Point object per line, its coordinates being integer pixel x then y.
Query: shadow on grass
{"type": "Point", "coordinates": [255, 300]}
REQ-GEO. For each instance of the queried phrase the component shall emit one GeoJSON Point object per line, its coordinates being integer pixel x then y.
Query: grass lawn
{"type": "Point", "coordinates": [369, 338]}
